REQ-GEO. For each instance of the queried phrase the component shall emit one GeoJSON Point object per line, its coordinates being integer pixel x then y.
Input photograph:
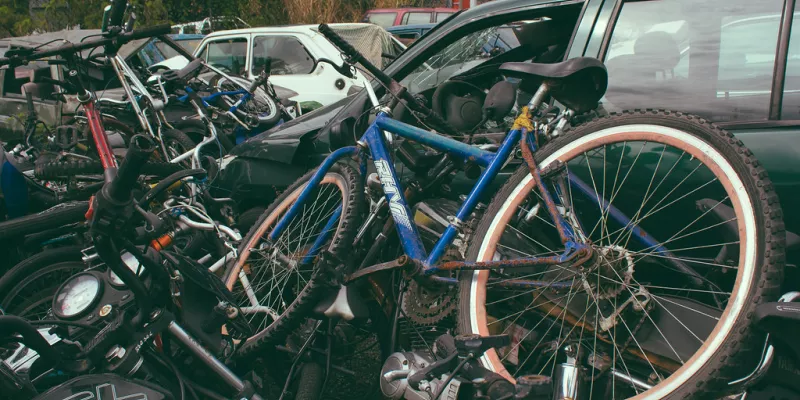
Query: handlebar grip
{"type": "Point", "coordinates": [131, 23]}
{"type": "Point", "coordinates": [157, 30]}
{"type": "Point", "coordinates": [140, 150]}
{"type": "Point", "coordinates": [117, 12]}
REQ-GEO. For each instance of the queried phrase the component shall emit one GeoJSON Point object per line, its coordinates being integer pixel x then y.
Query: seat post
{"type": "Point", "coordinates": [538, 97]}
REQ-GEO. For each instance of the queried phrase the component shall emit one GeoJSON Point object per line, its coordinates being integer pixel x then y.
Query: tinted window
{"type": "Point", "coordinates": [442, 15]}
{"type": "Point", "coordinates": [412, 18]}
{"type": "Point", "coordinates": [229, 55]}
{"type": "Point", "coordinates": [714, 58]}
{"type": "Point", "coordinates": [289, 56]}
{"type": "Point", "coordinates": [791, 88]}
{"type": "Point", "coordinates": [168, 52]}
{"type": "Point", "coordinates": [382, 19]}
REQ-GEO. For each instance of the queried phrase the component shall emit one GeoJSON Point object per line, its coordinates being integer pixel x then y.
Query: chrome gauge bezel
{"type": "Point", "coordinates": [98, 294]}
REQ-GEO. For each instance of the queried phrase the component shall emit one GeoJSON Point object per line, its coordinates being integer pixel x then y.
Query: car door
{"type": "Point", "coordinates": [294, 67]}
{"type": "Point", "coordinates": [716, 59]}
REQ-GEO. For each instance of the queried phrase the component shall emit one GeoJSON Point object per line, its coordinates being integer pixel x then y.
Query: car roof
{"type": "Point", "coordinates": [297, 27]}
{"type": "Point", "coordinates": [400, 28]}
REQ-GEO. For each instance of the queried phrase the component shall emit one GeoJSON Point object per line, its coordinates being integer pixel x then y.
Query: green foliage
{"type": "Point", "coordinates": [17, 19]}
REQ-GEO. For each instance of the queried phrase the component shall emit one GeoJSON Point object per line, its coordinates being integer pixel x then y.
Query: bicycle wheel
{"type": "Point", "coordinates": [261, 105]}
{"type": "Point", "coordinates": [284, 286]}
{"type": "Point", "coordinates": [27, 290]}
{"type": "Point", "coordinates": [176, 144]}
{"type": "Point", "coordinates": [659, 313]}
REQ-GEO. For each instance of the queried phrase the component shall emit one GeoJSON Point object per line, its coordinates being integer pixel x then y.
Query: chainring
{"type": "Point", "coordinates": [430, 305]}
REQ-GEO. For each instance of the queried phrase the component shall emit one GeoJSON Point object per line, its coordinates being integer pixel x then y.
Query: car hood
{"type": "Point", "coordinates": [281, 142]}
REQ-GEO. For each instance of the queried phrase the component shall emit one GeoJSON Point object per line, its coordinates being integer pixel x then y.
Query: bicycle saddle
{"type": "Point", "coordinates": [578, 83]}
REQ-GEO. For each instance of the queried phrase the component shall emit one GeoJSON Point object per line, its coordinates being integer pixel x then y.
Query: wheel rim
{"type": "Point", "coordinates": [274, 285]}
{"type": "Point", "coordinates": [258, 105]}
{"type": "Point", "coordinates": [32, 297]}
{"type": "Point", "coordinates": [731, 186]}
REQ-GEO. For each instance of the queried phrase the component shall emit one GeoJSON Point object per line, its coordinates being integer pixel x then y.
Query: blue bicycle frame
{"type": "Point", "coordinates": [373, 140]}
{"type": "Point", "coordinates": [212, 97]}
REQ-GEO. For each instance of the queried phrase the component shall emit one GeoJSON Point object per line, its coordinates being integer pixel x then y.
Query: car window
{"type": "Point", "coordinates": [227, 54]}
{"type": "Point", "coordinates": [714, 58]}
{"type": "Point", "coordinates": [441, 16]}
{"type": "Point", "coordinates": [16, 77]}
{"type": "Point", "coordinates": [289, 56]}
{"type": "Point", "coordinates": [460, 56]}
{"type": "Point", "coordinates": [791, 86]}
{"type": "Point", "coordinates": [411, 18]}
{"type": "Point", "coordinates": [382, 19]}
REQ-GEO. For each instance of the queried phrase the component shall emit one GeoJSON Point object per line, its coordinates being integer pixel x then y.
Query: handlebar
{"type": "Point", "coordinates": [355, 56]}
{"type": "Point", "coordinates": [120, 188]}
{"type": "Point", "coordinates": [72, 48]}
{"type": "Point", "coordinates": [350, 52]}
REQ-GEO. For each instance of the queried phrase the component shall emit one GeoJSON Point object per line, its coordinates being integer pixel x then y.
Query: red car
{"type": "Point", "coordinates": [387, 17]}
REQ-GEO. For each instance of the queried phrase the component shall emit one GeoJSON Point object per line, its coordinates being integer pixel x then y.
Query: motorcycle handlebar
{"type": "Point", "coordinates": [72, 48]}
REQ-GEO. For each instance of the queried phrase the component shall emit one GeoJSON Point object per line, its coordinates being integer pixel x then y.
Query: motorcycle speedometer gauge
{"type": "Point", "coordinates": [77, 295]}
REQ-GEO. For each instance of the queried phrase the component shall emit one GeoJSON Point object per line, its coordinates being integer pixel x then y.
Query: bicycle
{"type": "Point", "coordinates": [537, 268]}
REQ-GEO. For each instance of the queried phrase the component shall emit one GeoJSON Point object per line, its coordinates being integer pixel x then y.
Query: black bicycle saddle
{"type": "Point", "coordinates": [578, 83]}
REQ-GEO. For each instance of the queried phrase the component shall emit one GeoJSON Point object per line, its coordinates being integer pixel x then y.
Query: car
{"type": "Point", "coordinates": [407, 34]}
{"type": "Point", "coordinates": [209, 25]}
{"type": "Point", "coordinates": [386, 17]}
{"type": "Point", "coordinates": [295, 51]}
{"type": "Point", "coordinates": [51, 111]}
{"type": "Point", "coordinates": [741, 70]}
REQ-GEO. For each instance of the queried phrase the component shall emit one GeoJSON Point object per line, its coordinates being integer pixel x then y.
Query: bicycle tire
{"type": "Point", "coordinates": [347, 179]}
{"type": "Point", "coordinates": [729, 355]}
{"type": "Point", "coordinates": [66, 169]}
{"type": "Point", "coordinates": [177, 143]}
{"type": "Point", "coordinates": [35, 267]}
{"type": "Point", "coordinates": [62, 214]}
{"type": "Point", "coordinates": [255, 106]}
{"type": "Point", "coordinates": [309, 382]}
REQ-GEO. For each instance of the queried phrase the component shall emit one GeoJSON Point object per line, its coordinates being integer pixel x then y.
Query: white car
{"type": "Point", "coordinates": [295, 51]}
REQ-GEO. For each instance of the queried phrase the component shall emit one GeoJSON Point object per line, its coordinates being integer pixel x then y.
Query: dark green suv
{"type": "Point", "coordinates": [735, 62]}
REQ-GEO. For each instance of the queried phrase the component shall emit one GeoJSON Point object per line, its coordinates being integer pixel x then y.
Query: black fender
{"type": "Point", "coordinates": [255, 181]}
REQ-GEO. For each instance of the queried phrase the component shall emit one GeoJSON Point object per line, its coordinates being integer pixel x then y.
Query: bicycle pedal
{"type": "Point", "coordinates": [476, 345]}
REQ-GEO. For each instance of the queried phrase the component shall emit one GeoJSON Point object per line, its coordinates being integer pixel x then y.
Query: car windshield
{"type": "Point", "coordinates": [169, 52]}
{"type": "Point", "coordinates": [462, 55]}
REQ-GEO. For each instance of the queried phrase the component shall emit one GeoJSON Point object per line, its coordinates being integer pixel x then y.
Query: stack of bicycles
{"type": "Point", "coordinates": [577, 279]}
